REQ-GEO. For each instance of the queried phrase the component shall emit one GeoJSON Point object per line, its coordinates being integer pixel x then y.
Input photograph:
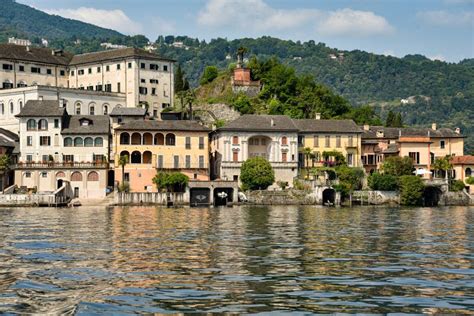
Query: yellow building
{"type": "Point", "coordinates": [319, 135]}
{"type": "Point", "coordinates": [152, 146]}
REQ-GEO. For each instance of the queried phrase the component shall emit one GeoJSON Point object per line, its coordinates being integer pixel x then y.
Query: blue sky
{"type": "Point", "coordinates": [438, 29]}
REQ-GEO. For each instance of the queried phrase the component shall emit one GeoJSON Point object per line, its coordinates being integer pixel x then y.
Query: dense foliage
{"type": "Point", "coordinates": [411, 190]}
{"type": "Point", "coordinates": [398, 166]}
{"type": "Point", "coordinates": [350, 179]}
{"type": "Point", "coordinates": [456, 186]}
{"type": "Point", "coordinates": [470, 180]}
{"type": "Point", "coordinates": [170, 181]}
{"type": "Point", "coordinates": [382, 182]}
{"type": "Point", "coordinates": [256, 174]}
{"type": "Point", "coordinates": [209, 74]}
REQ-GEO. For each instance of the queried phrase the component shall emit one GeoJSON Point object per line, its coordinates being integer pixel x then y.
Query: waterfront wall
{"type": "Point", "coordinates": [287, 197]}
{"type": "Point", "coordinates": [136, 198]}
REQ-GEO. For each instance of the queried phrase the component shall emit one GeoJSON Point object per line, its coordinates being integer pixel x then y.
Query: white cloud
{"type": "Point", "coordinates": [445, 18]}
{"type": "Point", "coordinates": [348, 22]}
{"type": "Point", "coordinates": [259, 16]}
{"type": "Point", "coordinates": [112, 19]}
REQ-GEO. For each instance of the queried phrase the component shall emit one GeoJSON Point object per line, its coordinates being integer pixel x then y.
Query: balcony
{"type": "Point", "coordinates": [277, 165]}
{"type": "Point", "coordinates": [60, 165]}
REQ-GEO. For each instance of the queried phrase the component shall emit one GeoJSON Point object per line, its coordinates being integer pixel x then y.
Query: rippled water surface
{"type": "Point", "coordinates": [242, 260]}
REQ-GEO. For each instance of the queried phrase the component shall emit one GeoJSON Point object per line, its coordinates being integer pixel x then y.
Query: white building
{"type": "Point", "coordinates": [125, 77]}
{"type": "Point", "coordinates": [274, 137]}
{"type": "Point", "coordinates": [56, 147]}
{"type": "Point", "coordinates": [19, 41]}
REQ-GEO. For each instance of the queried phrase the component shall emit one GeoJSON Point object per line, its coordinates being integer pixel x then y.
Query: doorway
{"type": "Point", "coordinates": [60, 183]}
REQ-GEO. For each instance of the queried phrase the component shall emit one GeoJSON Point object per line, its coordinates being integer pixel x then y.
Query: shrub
{"type": "Point", "coordinates": [383, 182]}
{"type": "Point", "coordinates": [456, 186]}
{"type": "Point", "coordinates": [170, 181]}
{"type": "Point", "coordinates": [470, 180]}
{"type": "Point", "coordinates": [282, 184]}
{"type": "Point", "coordinates": [124, 187]}
{"type": "Point", "coordinates": [411, 190]}
{"type": "Point", "coordinates": [398, 166]}
{"type": "Point", "coordinates": [256, 174]}
{"type": "Point", "coordinates": [350, 179]}
{"type": "Point", "coordinates": [210, 73]}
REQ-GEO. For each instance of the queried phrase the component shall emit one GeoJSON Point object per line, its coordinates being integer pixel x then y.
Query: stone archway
{"type": "Point", "coordinates": [329, 197]}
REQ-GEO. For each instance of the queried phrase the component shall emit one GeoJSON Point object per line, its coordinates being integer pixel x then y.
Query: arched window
{"type": "Point", "coordinates": [170, 139]}
{"type": "Point", "coordinates": [88, 142]}
{"type": "Point", "coordinates": [124, 139]}
{"type": "Point", "coordinates": [147, 157]}
{"type": "Point", "coordinates": [76, 176]}
{"type": "Point", "coordinates": [147, 139]}
{"type": "Point", "coordinates": [159, 139]}
{"type": "Point", "coordinates": [98, 142]}
{"type": "Point", "coordinates": [106, 109]}
{"type": "Point", "coordinates": [91, 110]}
{"type": "Point", "coordinates": [136, 139]}
{"type": "Point", "coordinates": [235, 140]}
{"type": "Point", "coordinates": [21, 104]}
{"type": "Point", "coordinates": [136, 157]}
{"type": "Point", "coordinates": [60, 174]}
{"type": "Point", "coordinates": [77, 109]}
{"type": "Point", "coordinates": [31, 125]}
{"type": "Point", "coordinates": [93, 176]}
{"type": "Point", "coordinates": [284, 140]}
{"type": "Point", "coordinates": [34, 83]}
{"type": "Point", "coordinates": [468, 172]}
{"type": "Point", "coordinates": [78, 142]}
{"type": "Point", "coordinates": [11, 108]}
{"type": "Point", "coordinates": [68, 142]}
{"type": "Point", "coordinates": [21, 84]}
{"type": "Point", "coordinates": [42, 125]}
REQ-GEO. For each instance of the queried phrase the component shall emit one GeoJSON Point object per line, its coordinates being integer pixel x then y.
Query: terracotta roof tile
{"type": "Point", "coordinates": [463, 160]}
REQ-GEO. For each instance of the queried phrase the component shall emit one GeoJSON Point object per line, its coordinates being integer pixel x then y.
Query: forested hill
{"type": "Point", "coordinates": [23, 21]}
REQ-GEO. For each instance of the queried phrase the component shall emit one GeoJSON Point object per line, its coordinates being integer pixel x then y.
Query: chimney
{"type": "Point", "coordinates": [272, 122]}
{"type": "Point", "coordinates": [366, 127]}
{"type": "Point", "coordinates": [318, 116]}
{"type": "Point", "coordinates": [457, 130]}
{"type": "Point", "coordinates": [433, 126]}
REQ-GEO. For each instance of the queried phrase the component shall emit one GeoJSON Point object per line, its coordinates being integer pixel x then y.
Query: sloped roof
{"type": "Point", "coordinates": [395, 132]}
{"type": "Point", "coordinates": [261, 123]}
{"type": "Point", "coordinates": [114, 54]}
{"type": "Point", "coordinates": [463, 160]}
{"type": "Point", "coordinates": [33, 54]}
{"type": "Point", "coordinates": [128, 111]}
{"type": "Point", "coordinates": [42, 108]}
{"type": "Point", "coordinates": [99, 124]}
{"type": "Point", "coordinates": [191, 126]}
{"type": "Point", "coordinates": [4, 142]}
{"type": "Point", "coordinates": [9, 134]}
{"type": "Point", "coordinates": [333, 126]}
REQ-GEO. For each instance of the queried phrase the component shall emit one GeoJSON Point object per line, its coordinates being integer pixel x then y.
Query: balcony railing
{"type": "Point", "coordinates": [275, 164]}
{"type": "Point", "coordinates": [55, 165]}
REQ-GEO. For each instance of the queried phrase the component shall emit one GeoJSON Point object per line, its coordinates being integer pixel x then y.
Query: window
{"type": "Point", "coordinates": [108, 87]}
{"type": "Point", "coordinates": [29, 141]}
{"type": "Point", "coordinates": [284, 141]}
{"type": "Point", "coordinates": [72, 72]}
{"type": "Point", "coordinates": [160, 161]}
{"type": "Point", "coordinates": [98, 142]}
{"type": "Point", "coordinates": [93, 176]}
{"type": "Point", "coordinates": [28, 174]}
{"type": "Point", "coordinates": [68, 158]}
{"type": "Point", "coordinates": [468, 172]}
{"type": "Point", "coordinates": [176, 162]}
{"type": "Point", "coordinates": [78, 109]}
{"type": "Point", "coordinates": [7, 85]}
{"type": "Point", "coordinates": [338, 141]}
{"type": "Point", "coordinates": [170, 140]}
{"type": "Point", "coordinates": [43, 125]}
{"type": "Point", "coordinates": [442, 144]}
{"type": "Point", "coordinates": [415, 156]}
{"type": "Point", "coordinates": [67, 142]}
{"type": "Point", "coordinates": [118, 87]}
{"type": "Point", "coordinates": [235, 140]}
{"type": "Point", "coordinates": [2, 108]}
{"type": "Point", "coordinates": [76, 176]}
{"type": "Point", "coordinates": [45, 141]}
{"type": "Point", "coordinates": [235, 156]}
{"type": "Point", "coordinates": [153, 91]}
{"type": "Point", "coordinates": [154, 81]}
{"type": "Point", "coordinates": [351, 141]}
{"type": "Point", "coordinates": [284, 157]}
{"type": "Point", "coordinates": [188, 142]}
{"type": "Point", "coordinates": [126, 177]}
{"type": "Point", "coordinates": [89, 71]}
{"type": "Point", "coordinates": [327, 141]}
{"type": "Point", "coordinates": [98, 70]}
{"type": "Point", "coordinates": [56, 123]}
{"type": "Point", "coordinates": [92, 110]}
{"type": "Point", "coordinates": [107, 68]}
{"type": "Point", "coordinates": [165, 68]}
{"type": "Point", "coordinates": [118, 66]}
{"type": "Point", "coordinates": [44, 174]}
{"type": "Point", "coordinates": [7, 67]}
{"type": "Point", "coordinates": [201, 162]}
{"type": "Point", "coordinates": [62, 73]}
{"type": "Point", "coordinates": [49, 71]}
{"type": "Point", "coordinates": [201, 142]}
{"type": "Point", "coordinates": [155, 113]}
{"type": "Point", "coordinates": [188, 161]}
{"type": "Point", "coordinates": [11, 107]}
{"type": "Point", "coordinates": [142, 80]}
{"type": "Point", "coordinates": [98, 87]}
{"type": "Point", "coordinates": [29, 158]}
{"type": "Point", "coordinates": [350, 159]}
{"type": "Point", "coordinates": [143, 90]}
{"type": "Point", "coordinates": [106, 109]}
{"type": "Point", "coordinates": [153, 67]}
{"type": "Point", "coordinates": [142, 65]}
{"type": "Point", "coordinates": [88, 142]}
{"type": "Point", "coordinates": [80, 72]}
{"type": "Point", "coordinates": [90, 88]}
{"type": "Point", "coordinates": [129, 65]}
{"type": "Point", "coordinates": [31, 125]}
{"type": "Point", "coordinates": [21, 68]}
{"type": "Point", "coordinates": [316, 140]}
{"type": "Point", "coordinates": [78, 142]}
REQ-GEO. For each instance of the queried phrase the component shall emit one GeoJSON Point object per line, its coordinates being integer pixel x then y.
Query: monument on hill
{"type": "Point", "coordinates": [242, 79]}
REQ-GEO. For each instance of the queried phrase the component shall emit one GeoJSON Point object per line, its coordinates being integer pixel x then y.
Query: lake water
{"type": "Point", "coordinates": [241, 259]}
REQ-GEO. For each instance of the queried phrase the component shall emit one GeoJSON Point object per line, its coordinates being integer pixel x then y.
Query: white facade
{"type": "Point", "coordinates": [231, 149]}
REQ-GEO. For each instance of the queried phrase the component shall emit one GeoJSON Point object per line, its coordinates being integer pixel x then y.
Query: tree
{"type": "Point", "coordinates": [456, 186]}
{"type": "Point", "coordinates": [170, 181]}
{"type": "Point", "coordinates": [411, 190]}
{"type": "Point", "coordinates": [442, 165]}
{"type": "Point", "coordinates": [382, 182]}
{"type": "Point", "coordinates": [470, 180]}
{"type": "Point", "coordinates": [307, 156]}
{"type": "Point", "coordinates": [123, 161]}
{"type": "Point", "coordinates": [350, 179]}
{"type": "Point", "coordinates": [398, 121]}
{"type": "Point", "coordinates": [178, 80]}
{"type": "Point", "coordinates": [256, 174]}
{"type": "Point", "coordinates": [210, 73]}
{"type": "Point", "coordinates": [390, 119]}
{"type": "Point", "coordinates": [4, 162]}
{"type": "Point", "coordinates": [398, 166]}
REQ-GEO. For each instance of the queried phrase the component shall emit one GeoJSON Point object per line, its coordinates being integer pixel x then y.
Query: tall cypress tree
{"type": "Point", "coordinates": [390, 119]}
{"type": "Point", "coordinates": [178, 80]}
{"type": "Point", "coordinates": [398, 121]}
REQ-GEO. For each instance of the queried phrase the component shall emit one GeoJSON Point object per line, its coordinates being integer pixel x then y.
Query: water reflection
{"type": "Point", "coordinates": [248, 259]}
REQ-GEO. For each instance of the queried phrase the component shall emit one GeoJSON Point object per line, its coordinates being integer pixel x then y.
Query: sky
{"type": "Point", "coordinates": [438, 29]}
